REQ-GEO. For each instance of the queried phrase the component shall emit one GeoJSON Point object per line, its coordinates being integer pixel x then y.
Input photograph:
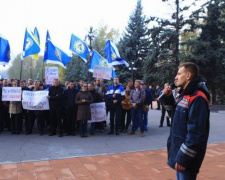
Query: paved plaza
{"type": "Point", "coordinates": [104, 156]}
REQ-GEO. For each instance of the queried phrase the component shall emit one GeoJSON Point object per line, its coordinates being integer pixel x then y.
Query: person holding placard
{"type": "Point", "coordinates": [15, 110]}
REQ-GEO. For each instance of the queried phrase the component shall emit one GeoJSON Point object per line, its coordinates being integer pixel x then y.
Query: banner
{"type": "Point", "coordinates": [102, 72]}
{"type": "Point", "coordinates": [35, 100]}
{"type": "Point", "coordinates": [11, 93]}
{"type": "Point", "coordinates": [51, 73]}
{"type": "Point", "coordinates": [98, 112]}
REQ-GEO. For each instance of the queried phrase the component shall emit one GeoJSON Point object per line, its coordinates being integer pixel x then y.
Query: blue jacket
{"type": "Point", "coordinates": [119, 94]}
{"type": "Point", "coordinates": [189, 127]}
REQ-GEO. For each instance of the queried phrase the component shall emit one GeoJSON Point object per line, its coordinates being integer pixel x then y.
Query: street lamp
{"type": "Point", "coordinates": [132, 69]}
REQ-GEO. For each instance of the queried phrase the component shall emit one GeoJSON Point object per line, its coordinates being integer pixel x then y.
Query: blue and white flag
{"type": "Point", "coordinates": [4, 51]}
{"type": "Point", "coordinates": [97, 59]}
{"type": "Point", "coordinates": [113, 73]}
{"type": "Point", "coordinates": [30, 45]}
{"type": "Point", "coordinates": [37, 37]}
{"type": "Point", "coordinates": [53, 54]}
{"type": "Point", "coordinates": [113, 55]}
{"type": "Point", "coordinates": [79, 47]}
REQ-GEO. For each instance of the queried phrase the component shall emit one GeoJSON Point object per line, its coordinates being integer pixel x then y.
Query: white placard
{"type": "Point", "coordinates": [102, 72]}
{"type": "Point", "coordinates": [51, 73]}
{"type": "Point", "coordinates": [98, 112]}
{"type": "Point", "coordinates": [11, 93]}
{"type": "Point", "coordinates": [35, 100]}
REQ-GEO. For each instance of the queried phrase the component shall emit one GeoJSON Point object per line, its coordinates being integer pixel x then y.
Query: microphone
{"type": "Point", "coordinates": [171, 87]}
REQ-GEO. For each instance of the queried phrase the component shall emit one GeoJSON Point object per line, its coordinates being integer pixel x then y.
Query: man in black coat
{"type": "Point", "coordinates": [55, 102]}
{"type": "Point", "coordinates": [96, 98]}
{"type": "Point", "coordinates": [70, 108]}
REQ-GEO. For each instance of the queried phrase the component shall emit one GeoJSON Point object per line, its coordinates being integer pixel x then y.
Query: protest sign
{"type": "Point", "coordinates": [11, 93]}
{"type": "Point", "coordinates": [35, 100]}
{"type": "Point", "coordinates": [102, 72]}
{"type": "Point", "coordinates": [98, 112]}
{"type": "Point", "coordinates": [51, 73]}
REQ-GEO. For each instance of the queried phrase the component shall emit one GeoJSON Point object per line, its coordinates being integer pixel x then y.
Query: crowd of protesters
{"type": "Point", "coordinates": [70, 107]}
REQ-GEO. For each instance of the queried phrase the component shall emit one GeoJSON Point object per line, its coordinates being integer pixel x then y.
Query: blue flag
{"type": "Point", "coordinates": [37, 37]}
{"type": "Point", "coordinates": [30, 45]}
{"type": "Point", "coordinates": [113, 55]}
{"type": "Point", "coordinates": [79, 47]}
{"type": "Point", "coordinates": [4, 51]}
{"type": "Point", "coordinates": [97, 59]}
{"type": "Point", "coordinates": [53, 54]}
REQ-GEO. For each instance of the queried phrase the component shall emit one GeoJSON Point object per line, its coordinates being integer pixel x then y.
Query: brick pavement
{"type": "Point", "coordinates": [146, 165]}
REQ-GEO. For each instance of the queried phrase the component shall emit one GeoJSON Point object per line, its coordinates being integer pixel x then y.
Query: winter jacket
{"type": "Point", "coordinates": [69, 97]}
{"type": "Point", "coordinates": [96, 96]}
{"type": "Point", "coordinates": [56, 95]}
{"type": "Point", "coordinates": [84, 110]}
{"type": "Point", "coordinates": [119, 95]}
{"type": "Point", "coordinates": [15, 107]}
{"type": "Point", "coordinates": [189, 127]}
{"type": "Point", "coordinates": [126, 105]}
{"type": "Point", "coordinates": [137, 97]}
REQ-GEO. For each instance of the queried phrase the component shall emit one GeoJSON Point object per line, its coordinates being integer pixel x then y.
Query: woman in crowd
{"type": "Point", "coordinates": [83, 100]}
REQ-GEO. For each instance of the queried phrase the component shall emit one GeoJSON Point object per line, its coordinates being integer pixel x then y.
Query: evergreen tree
{"type": "Point", "coordinates": [164, 56]}
{"type": "Point", "coordinates": [208, 50]}
{"type": "Point", "coordinates": [134, 44]}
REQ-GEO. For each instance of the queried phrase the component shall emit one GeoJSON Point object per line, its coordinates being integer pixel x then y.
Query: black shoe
{"type": "Point", "coordinates": [117, 133]}
{"type": "Point", "coordinates": [168, 125]}
{"type": "Point", "coordinates": [60, 134]}
{"type": "Point", "coordinates": [81, 135]}
{"type": "Point", "coordinates": [110, 132]}
{"type": "Point", "coordinates": [160, 125]}
{"type": "Point", "coordinates": [52, 134]}
{"type": "Point", "coordinates": [92, 133]}
{"type": "Point", "coordinates": [101, 131]}
{"type": "Point", "coordinates": [13, 132]}
{"type": "Point", "coordinates": [18, 132]}
{"type": "Point", "coordinates": [85, 135]}
{"type": "Point", "coordinates": [68, 134]}
{"type": "Point", "coordinates": [41, 133]}
{"type": "Point", "coordinates": [121, 130]}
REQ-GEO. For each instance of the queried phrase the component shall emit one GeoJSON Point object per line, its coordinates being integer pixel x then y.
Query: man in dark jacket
{"type": "Point", "coordinates": [70, 108]}
{"type": "Point", "coordinates": [96, 98]}
{"type": "Point", "coordinates": [115, 95]}
{"type": "Point", "coordinates": [158, 93]}
{"type": "Point", "coordinates": [55, 103]}
{"type": "Point", "coordinates": [190, 122]}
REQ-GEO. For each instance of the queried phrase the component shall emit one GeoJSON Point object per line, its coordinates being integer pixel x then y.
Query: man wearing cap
{"type": "Point", "coordinates": [147, 102]}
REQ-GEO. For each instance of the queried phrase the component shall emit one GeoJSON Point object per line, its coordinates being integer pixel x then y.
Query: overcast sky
{"type": "Point", "coordinates": [63, 17]}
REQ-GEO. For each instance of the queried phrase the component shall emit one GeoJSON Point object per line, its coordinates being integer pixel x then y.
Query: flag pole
{"type": "Point", "coordinates": [31, 64]}
{"type": "Point", "coordinates": [21, 68]}
{"type": "Point", "coordinates": [43, 66]}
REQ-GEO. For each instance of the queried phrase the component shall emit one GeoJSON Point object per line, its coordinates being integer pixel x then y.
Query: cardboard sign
{"type": "Point", "coordinates": [102, 72]}
{"type": "Point", "coordinates": [51, 73]}
{"type": "Point", "coordinates": [11, 93]}
{"type": "Point", "coordinates": [98, 112]}
{"type": "Point", "coordinates": [35, 100]}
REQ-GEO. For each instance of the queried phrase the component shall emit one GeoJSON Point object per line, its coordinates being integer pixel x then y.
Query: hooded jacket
{"type": "Point", "coordinates": [189, 127]}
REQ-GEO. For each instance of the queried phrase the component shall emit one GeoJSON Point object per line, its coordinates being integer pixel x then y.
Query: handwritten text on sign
{"type": "Point", "coordinates": [11, 94]}
{"type": "Point", "coordinates": [98, 112]}
{"type": "Point", "coordinates": [102, 72]}
{"type": "Point", "coordinates": [35, 100]}
{"type": "Point", "coordinates": [51, 73]}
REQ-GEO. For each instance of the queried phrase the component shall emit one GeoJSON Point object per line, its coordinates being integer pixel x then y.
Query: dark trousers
{"type": "Point", "coordinates": [71, 119]}
{"type": "Point", "coordinates": [55, 119]}
{"type": "Point", "coordinates": [5, 118]}
{"type": "Point", "coordinates": [23, 116]}
{"type": "Point", "coordinates": [30, 121]}
{"type": "Point", "coordinates": [40, 121]}
{"type": "Point", "coordinates": [137, 119]}
{"type": "Point", "coordinates": [124, 126]}
{"type": "Point", "coordinates": [1, 123]}
{"type": "Point", "coordinates": [115, 113]}
{"type": "Point", "coordinates": [151, 105]}
{"type": "Point", "coordinates": [83, 127]}
{"type": "Point", "coordinates": [158, 105]}
{"type": "Point", "coordinates": [145, 116]}
{"type": "Point", "coordinates": [163, 116]}
{"type": "Point", "coordinates": [97, 125]}
{"type": "Point", "coordinates": [15, 123]}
